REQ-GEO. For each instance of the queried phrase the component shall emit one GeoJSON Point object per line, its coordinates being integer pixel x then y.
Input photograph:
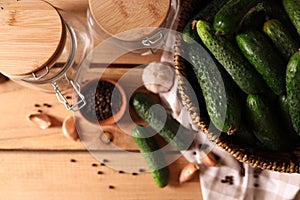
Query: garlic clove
{"type": "Point", "coordinates": [69, 128]}
{"type": "Point", "coordinates": [209, 160]}
{"type": "Point", "coordinates": [41, 120]}
{"type": "Point", "coordinates": [188, 172]}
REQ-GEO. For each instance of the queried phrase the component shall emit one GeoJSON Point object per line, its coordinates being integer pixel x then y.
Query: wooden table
{"type": "Point", "coordinates": [43, 164]}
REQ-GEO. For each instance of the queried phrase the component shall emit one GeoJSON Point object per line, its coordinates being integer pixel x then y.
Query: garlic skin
{"type": "Point", "coordinates": [188, 172]}
{"type": "Point", "coordinates": [69, 128]}
{"type": "Point", "coordinates": [43, 121]}
{"type": "Point", "coordinates": [158, 77]}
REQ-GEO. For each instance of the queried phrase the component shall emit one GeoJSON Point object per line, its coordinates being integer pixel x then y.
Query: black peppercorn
{"type": "Point", "coordinates": [101, 102]}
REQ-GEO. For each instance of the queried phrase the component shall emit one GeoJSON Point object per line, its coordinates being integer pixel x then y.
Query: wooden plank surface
{"type": "Point", "coordinates": [52, 175]}
{"type": "Point", "coordinates": [35, 163]}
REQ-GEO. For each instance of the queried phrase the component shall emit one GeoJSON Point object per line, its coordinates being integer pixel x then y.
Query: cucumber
{"type": "Point", "coordinates": [285, 117]}
{"type": "Point", "coordinates": [292, 8]}
{"type": "Point", "coordinates": [229, 17]}
{"type": "Point", "coordinates": [219, 91]}
{"type": "Point", "coordinates": [293, 90]}
{"type": "Point", "coordinates": [281, 38]}
{"type": "Point", "coordinates": [207, 13]}
{"type": "Point", "coordinates": [163, 123]}
{"type": "Point", "coordinates": [153, 157]}
{"type": "Point", "coordinates": [240, 70]}
{"type": "Point", "coordinates": [265, 123]}
{"type": "Point", "coordinates": [275, 10]}
{"type": "Point", "coordinates": [258, 50]}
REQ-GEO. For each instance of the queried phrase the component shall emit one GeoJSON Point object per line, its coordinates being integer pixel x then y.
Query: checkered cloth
{"type": "Point", "coordinates": [231, 180]}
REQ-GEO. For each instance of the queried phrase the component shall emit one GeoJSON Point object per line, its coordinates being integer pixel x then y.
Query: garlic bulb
{"type": "Point", "coordinates": [158, 77]}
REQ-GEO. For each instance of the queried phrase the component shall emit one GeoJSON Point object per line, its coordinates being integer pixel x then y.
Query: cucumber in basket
{"type": "Point", "coordinates": [207, 13]}
{"type": "Point", "coordinates": [292, 8]}
{"type": "Point", "coordinates": [258, 50]}
{"type": "Point", "coordinates": [229, 17]}
{"type": "Point", "coordinates": [281, 38]}
{"type": "Point", "coordinates": [240, 70]}
{"type": "Point", "coordinates": [265, 123]}
{"type": "Point", "coordinates": [154, 158]}
{"type": "Point", "coordinates": [163, 123]}
{"type": "Point", "coordinates": [293, 90]}
{"type": "Point", "coordinates": [219, 91]}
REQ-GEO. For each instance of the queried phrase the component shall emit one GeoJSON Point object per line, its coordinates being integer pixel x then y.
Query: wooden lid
{"type": "Point", "coordinates": [31, 35]}
{"type": "Point", "coordinates": [117, 16]}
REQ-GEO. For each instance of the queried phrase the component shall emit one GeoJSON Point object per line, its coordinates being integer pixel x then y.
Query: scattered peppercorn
{"type": "Point", "coordinates": [102, 164]}
{"type": "Point", "coordinates": [105, 160]}
{"type": "Point", "coordinates": [111, 187]}
{"type": "Point", "coordinates": [100, 172]}
{"type": "Point", "coordinates": [134, 174]}
{"type": "Point", "coordinates": [37, 105]}
{"type": "Point", "coordinates": [39, 111]}
{"type": "Point", "coordinates": [142, 170]}
{"type": "Point", "coordinates": [256, 185]}
{"type": "Point", "coordinates": [68, 97]}
{"type": "Point", "coordinates": [47, 105]}
{"type": "Point", "coordinates": [94, 165]}
{"type": "Point", "coordinates": [121, 172]}
{"type": "Point", "coordinates": [72, 160]}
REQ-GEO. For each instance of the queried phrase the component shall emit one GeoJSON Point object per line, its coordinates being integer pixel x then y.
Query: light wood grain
{"type": "Point", "coordinates": [51, 175]}
{"type": "Point", "coordinates": [35, 163]}
{"type": "Point", "coordinates": [31, 35]}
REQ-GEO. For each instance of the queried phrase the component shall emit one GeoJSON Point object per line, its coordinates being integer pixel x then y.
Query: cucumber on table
{"type": "Point", "coordinates": [153, 157]}
{"type": "Point", "coordinates": [292, 8]}
{"type": "Point", "coordinates": [229, 17]}
{"type": "Point", "coordinates": [238, 67]}
{"type": "Point", "coordinates": [207, 13]}
{"type": "Point", "coordinates": [293, 90]}
{"type": "Point", "coordinates": [265, 123]}
{"type": "Point", "coordinates": [219, 91]}
{"type": "Point", "coordinates": [281, 38]}
{"type": "Point", "coordinates": [163, 123]}
{"type": "Point", "coordinates": [257, 49]}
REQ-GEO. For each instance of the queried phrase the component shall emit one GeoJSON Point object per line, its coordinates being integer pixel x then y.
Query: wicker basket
{"type": "Point", "coordinates": [286, 162]}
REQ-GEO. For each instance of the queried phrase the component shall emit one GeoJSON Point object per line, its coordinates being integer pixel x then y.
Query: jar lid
{"type": "Point", "coordinates": [115, 17]}
{"type": "Point", "coordinates": [31, 36]}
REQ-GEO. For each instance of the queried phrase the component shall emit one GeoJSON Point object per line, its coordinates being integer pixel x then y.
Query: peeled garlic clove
{"type": "Point", "coordinates": [69, 128]}
{"type": "Point", "coordinates": [209, 160]}
{"type": "Point", "coordinates": [188, 172]}
{"type": "Point", "coordinates": [41, 120]}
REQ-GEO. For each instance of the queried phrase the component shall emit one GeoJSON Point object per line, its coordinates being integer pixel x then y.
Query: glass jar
{"type": "Point", "coordinates": [42, 47]}
{"type": "Point", "coordinates": [133, 24]}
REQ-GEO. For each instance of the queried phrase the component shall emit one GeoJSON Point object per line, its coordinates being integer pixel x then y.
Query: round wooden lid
{"type": "Point", "coordinates": [31, 33]}
{"type": "Point", "coordinates": [117, 16]}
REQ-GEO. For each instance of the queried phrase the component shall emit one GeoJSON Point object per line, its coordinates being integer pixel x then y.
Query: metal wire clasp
{"type": "Point", "coordinates": [152, 40]}
{"type": "Point", "coordinates": [60, 97]}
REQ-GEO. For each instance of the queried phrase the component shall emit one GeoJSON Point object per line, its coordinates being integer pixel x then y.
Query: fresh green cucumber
{"type": "Point", "coordinates": [219, 91]}
{"type": "Point", "coordinates": [258, 50]}
{"type": "Point", "coordinates": [292, 8]}
{"type": "Point", "coordinates": [285, 117]}
{"type": "Point", "coordinates": [265, 123]}
{"type": "Point", "coordinates": [241, 71]}
{"type": "Point", "coordinates": [153, 157]}
{"type": "Point", "coordinates": [207, 13]}
{"type": "Point", "coordinates": [229, 17]}
{"type": "Point", "coordinates": [281, 38]}
{"type": "Point", "coordinates": [293, 89]}
{"type": "Point", "coordinates": [163, 123]}
{"type": "Point", "coordinates": [275, 10]}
